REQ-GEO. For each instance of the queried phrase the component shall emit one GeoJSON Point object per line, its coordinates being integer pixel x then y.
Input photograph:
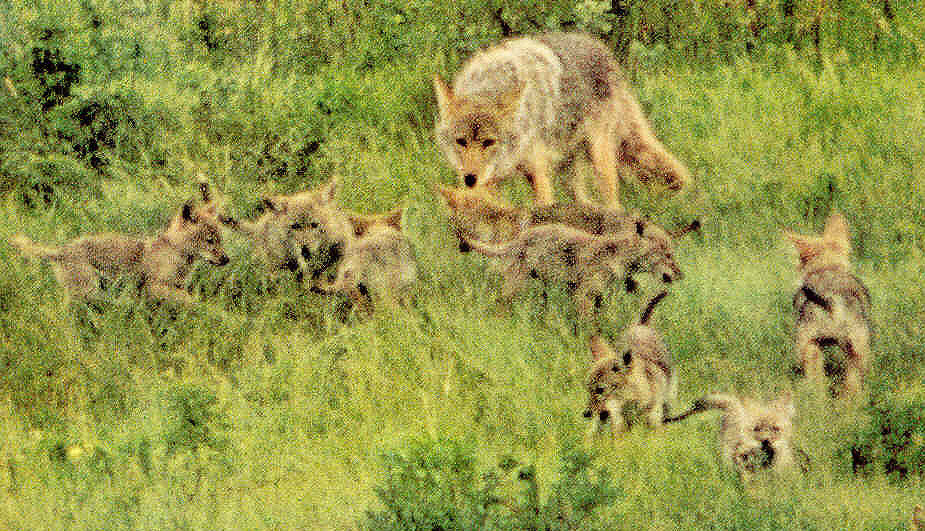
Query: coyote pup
{"type": "Point", "coordinates": [584, 261]}
{"type": "Point", "coordinates": [529, 104]}
{"type": "Point", "coordinates": [832, 306]}
{"type": "Point", "coordinates": [305, 233]}
{"type": "Point", "coordinates": [379, 265]}
{"type": "Point", "coordinates": [474, 215]}
{"type": "Point", "coordinates": [640, 382]}
{"type": "Point", "coordinates": [161, 263]}
{"type": "Point", "coordinates": [753, 436]}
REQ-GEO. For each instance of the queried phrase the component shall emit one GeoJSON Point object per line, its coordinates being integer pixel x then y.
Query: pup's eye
{"type": "Point", "coordinates": [296, 226]}
{"type": "Point", "coordinates": [462, 142]}
{"type": "Point", "coordinates": [488, 142]}
{"type": "Point", "coordinates": [598, 390]}
{"type": "Point", "coordinates": [314, 224]}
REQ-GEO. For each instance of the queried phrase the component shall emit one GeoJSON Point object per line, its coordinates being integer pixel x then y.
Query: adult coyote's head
{"type": "Point", "coordinates": [477, 136]}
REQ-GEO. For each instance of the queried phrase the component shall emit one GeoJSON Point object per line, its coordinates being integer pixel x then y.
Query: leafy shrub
{"type": "Point", "coordinates": [893, 441]}
{"type": "Point", "coordinates": [438, 486]}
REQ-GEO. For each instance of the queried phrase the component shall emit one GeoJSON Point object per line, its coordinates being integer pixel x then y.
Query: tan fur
{"type": "Point", "coordinates": [378, 267]}
{"type": "Point", "coordinates": [362, 223]}
{"type": "Point", "coordinates": [753, 435]}
{"type": "Point", "coordinates": [475, 215]}
{"type": "Point", "coordinates": [918, 519]}
{"type": "Point", "coordinates": [589, 263]}
{"type": "Point", "coordinates": [161, 263]}
{"type": "Point", "coordinates": [637, 383]}
{"type": "Point", "coordinates": [531, 104]}
{"type": "Point", "coordinates": [305, 233]}
{"type": "Point", "coordinates": [831, 306]}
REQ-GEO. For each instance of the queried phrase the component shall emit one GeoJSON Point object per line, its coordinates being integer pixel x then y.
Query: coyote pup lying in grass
{"type": "Point", "coordinates": [161, 263]}
{"type": "Point", "coordinates": [832, 307]}
{"type": "Point", "coordinates": [304, 232]}
{"type": "Point", "coordinates": [640, 382]}
{"type": "Point", "coordinates": [378, 265]}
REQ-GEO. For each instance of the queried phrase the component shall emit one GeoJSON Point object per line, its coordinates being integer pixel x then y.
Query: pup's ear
{"type": "Point", "coordinates": [446, 100]}
{"type": "Point", "coordinates": [600, 349]}
{"type": "Point", "coordinates": [836, 233]}
{"type": "Point", "coordinates": [393, 218]}
{"type": "Point", "coordinates": [681, 231]}
{"type": "Point", "coordinates": [807, 246]}
{"type": "Point", "coordinates": [785, 404]}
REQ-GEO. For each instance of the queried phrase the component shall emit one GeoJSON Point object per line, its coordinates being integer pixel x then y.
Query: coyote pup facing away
{"type": "Point", "coordinates": [587, 263]}
{"type": "Point", "coordinates": [640, 382]}
{"type": "Point", "coordinates": [753, 436]}
{"type": "Point", "coordinates": [529, 104]}
{"type": "Point", "coordinates": [162, 263]}
{"type": "Point", "coordinates": [832, 307]}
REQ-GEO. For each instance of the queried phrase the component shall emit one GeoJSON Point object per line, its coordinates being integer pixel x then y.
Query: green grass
{"type": "Point", "coordinates": [264, 408]}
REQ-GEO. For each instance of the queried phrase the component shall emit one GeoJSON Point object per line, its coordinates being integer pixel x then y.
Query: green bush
{"type": "Point", "coordinates": [438, 486]}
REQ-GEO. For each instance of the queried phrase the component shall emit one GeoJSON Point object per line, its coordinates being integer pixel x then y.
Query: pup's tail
{"type": "Point", "coordinates": [647, 313]}
{"type": "Point", "coordinates": [30, 249]}
{"type": "Point", "coordinates": [712, 401]}
{"type": "Point", "coordinates": [488, 249]}
{"type": "Point", "coordinates": [691, 227]}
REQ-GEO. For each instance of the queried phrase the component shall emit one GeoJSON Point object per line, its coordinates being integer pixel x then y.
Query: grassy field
{"type": "Point", "coordinates": [264, 407]}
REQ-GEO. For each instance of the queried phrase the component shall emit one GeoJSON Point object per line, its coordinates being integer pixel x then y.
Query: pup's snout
{"type": "Point", "coordinates": [469, 179]}
{"type": "Point", "coordinates": [464, 246]}
{"type": "Point", "coordinates": [306, 253]}
{"type": "Point", "coordinates": [604, 415]}
{"type": "Point", "coordinates": [668, 278]}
